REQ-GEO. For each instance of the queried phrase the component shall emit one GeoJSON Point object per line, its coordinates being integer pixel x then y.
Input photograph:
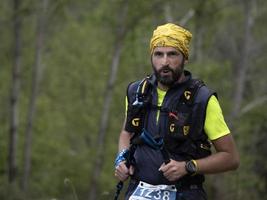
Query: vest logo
{"type": "Point", "coordinates": [136, 121]}
{"type": "Point", "coordinates": [186, 129]}
{"type": "Point", "coordinates": [172, 127]}
{"type": "Point", "coordinates": [187, 94]}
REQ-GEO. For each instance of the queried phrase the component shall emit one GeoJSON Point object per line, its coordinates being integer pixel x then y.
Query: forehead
{"type": "Point", "coordinates": [165, 49]}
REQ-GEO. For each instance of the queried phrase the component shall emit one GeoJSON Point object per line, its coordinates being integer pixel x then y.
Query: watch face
{"type": "Point", "coordinates": [191, 167]}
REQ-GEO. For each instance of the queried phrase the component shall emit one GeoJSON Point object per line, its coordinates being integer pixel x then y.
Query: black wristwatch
{"type": "Point", "coordinates": [191, 167]}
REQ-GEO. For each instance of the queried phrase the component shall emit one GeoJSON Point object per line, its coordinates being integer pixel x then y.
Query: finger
{"type": "Point", "coordinates": [122, 171]}
{"type": "Point", "coordinates": [165, 167]}
{"type": "Point", "coordinates": [168, 171]}
{"type": "Point", "coordinates": [120, 164]}
{"type": "Point", "coordinates": [122, 168]}
{"type": "Point", "coordinates": [121, 176]}
{"type": "Point", "coordinates": [166, 174]}
{"type": "Point", "coordinates": [162, 167]}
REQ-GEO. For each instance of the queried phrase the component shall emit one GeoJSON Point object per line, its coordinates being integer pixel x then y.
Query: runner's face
{"type": "Point", "coordinates": [168, 65]}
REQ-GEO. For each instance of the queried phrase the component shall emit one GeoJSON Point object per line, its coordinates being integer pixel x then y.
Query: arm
{"type": "Point", "coordinates": [226, 157]}
{"type": "Point", "coordinates": [124, 139]}
{"type": "Point", "coordinates": [121, 171]}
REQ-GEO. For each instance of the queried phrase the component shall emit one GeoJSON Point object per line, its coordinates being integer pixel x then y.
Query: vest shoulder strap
{"type": "Point", "coordinates": [138, 92]}
{"type": "Point", "coordinates": [191, 91]}
{"type": "Point", "coordinates": [139, 97]}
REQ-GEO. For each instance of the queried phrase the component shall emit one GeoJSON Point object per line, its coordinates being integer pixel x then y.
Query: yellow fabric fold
{"type": "Point", "coordinates": [173, 36]}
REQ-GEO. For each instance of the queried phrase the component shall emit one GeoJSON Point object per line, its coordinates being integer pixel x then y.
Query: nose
{"type": "Point", "coordinates": [165, 60]}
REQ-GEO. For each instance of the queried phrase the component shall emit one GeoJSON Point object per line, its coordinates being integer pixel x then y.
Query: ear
{"type": "Point", "coordinates": [185, 62]}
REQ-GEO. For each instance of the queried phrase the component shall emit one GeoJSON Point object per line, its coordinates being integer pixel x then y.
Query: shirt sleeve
{"type": "Point", "coordinates": [215, 125]}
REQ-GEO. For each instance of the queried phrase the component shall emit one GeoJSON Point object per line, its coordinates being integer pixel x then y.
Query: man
{"type": "Point", "coordinates": [171, 119]}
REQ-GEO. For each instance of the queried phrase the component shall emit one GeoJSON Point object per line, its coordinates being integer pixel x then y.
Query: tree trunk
{"type": "Point", "coordinates": [240, 73]}
{"type": "Point", "coordinates": [36, 77]}
{"type": "Point", "coordinates": [121, 32]}
{"type": "Point", "coordinates": [199, 13]}
{"type": "Point", "coordinates": [14, 97]}
{"type": "Point", "coordinates": [240, 70]}
{"type": "Point", "coordinates": [167, 12]}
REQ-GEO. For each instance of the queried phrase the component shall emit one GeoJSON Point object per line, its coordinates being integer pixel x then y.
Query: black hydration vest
{"type": "Point", "coordinates": [182, 117]}
{"type": "Point", "coordinates": [184, 134]}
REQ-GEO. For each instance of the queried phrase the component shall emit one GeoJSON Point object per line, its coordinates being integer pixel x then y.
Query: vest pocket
{"type": "Point", "coordinates": [177, 130]}
{"type": "Point", "coordinates": [178, 140]}
{"type": "Point", "coordinates": [134, 120]}
{"type": "Point", "coordinates": [178, 126]}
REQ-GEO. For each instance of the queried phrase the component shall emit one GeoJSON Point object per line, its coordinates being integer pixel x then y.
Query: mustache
{"type": "Point", "coordinates": [165, 68]}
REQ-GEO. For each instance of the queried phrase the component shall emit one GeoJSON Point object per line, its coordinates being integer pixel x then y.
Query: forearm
{"type": "Point", "coordinates": [121, 169]}
{"type": "Point", "coordinates": [226, 157]}
{"type": "Point", "coordinates": [124, 140]}
{"type": "Point", "coordinates": [216, 163]}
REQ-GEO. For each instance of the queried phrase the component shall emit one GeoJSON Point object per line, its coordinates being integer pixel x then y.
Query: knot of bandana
{"type": "Point", "coordinates": [173, 36]}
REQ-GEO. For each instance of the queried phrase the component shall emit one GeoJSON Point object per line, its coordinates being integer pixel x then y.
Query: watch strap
{"type": "Point", "coordinates": [191, 167]}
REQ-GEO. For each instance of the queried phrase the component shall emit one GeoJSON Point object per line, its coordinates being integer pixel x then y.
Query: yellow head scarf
{"type": "Point", "coordinates": [171, 35]}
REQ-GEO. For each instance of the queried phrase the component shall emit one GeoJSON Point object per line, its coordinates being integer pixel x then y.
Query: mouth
{"type": "Point", "coordinates": [165, 72]}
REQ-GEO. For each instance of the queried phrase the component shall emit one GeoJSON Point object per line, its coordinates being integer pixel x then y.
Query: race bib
{"type": "Point", "coordinates": [145, 191]}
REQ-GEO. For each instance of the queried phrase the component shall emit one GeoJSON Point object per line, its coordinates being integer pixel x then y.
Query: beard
{"type": "Point", "coordinates": [172, 77]}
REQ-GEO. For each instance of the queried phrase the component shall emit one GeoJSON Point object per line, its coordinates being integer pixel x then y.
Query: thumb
{"type": "Point", "coordinates": [131, 170]}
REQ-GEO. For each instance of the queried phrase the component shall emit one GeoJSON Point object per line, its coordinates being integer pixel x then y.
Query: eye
{"type": "Point", "coordinates": [173, 53]}
{"type": "Point", "coordinates": [158, 54]}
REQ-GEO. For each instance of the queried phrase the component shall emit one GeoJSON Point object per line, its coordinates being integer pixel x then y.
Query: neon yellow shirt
{"type": "Point", "coordinates": [215, 126]}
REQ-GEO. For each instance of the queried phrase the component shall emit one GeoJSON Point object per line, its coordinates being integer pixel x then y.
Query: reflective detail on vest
{"type": "Point", "coordinates": [172, 125]}
{"type": "Point", "coordinates": [186, 130]}
{"type": "Point", "coordinates": [187, 94]}
{"type": "Point", "coordinates": [136, 121]}
{"type": "Point", "coordinates": [144, 86]}
{"type": "Point", "coordinates": [174, 115]}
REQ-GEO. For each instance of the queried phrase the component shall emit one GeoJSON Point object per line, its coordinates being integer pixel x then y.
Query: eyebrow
{"type": "Point", "coordinates": [168, 52]}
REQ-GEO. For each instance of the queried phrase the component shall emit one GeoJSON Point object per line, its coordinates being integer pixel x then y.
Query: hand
{"type": "Point", "coordinates": [122, 172]}
{"type": "Point", "coordinates": [174, 170]}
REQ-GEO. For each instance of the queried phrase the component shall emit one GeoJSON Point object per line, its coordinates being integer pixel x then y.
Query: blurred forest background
{"type": "Point", "coordinates": [64, 69]}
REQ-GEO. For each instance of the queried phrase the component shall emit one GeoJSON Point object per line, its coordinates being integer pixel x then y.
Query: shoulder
{"type": "Point", "coordinates": [215, 125]}
{"type": "Point", "coordinates": [132, 89]}
{"type": "Point", "coordinates": [132, 86]}
{"type": "Point", "coordinates": [204, 93]}
{"type": "Point", "coordinates": [141, 87]}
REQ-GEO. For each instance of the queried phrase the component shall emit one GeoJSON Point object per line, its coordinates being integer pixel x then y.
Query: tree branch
{"type": "Point", "coordinates": [253, 104]}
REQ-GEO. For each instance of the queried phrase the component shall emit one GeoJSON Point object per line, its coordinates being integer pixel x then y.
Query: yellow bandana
{"type": "Point", "coordinates": [173, 36]}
